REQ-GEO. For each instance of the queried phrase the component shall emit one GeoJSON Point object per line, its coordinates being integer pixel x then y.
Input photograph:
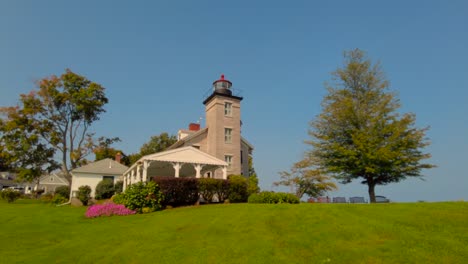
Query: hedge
{"type": "Point", "coordinates": [178, 191]}
{"type": "Point", "coordinates": [273, 198]}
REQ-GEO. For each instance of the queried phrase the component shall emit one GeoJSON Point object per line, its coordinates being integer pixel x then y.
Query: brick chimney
{"type": "Point", "coordinates": [118, 157]}
{"type": "Point", "coordinates": [194, 127]}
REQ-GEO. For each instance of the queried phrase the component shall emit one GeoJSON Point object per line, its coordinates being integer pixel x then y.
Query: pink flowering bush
{"type": "Point", "coordinates": [107, 209]}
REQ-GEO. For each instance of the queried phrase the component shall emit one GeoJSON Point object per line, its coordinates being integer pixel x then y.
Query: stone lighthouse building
{"type": "Point", "coordinates": [221, 137]}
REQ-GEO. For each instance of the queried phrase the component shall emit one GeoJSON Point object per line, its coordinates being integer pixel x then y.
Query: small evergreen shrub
{"type": "Point", "coordinates": [237, 189]}
{"type": "Point", "coordinates": [104, 189]}
{"type": "Point", "coordinates": [118, 186]}
{"type": "Point", "coordinates": [10, 195]}
{"type": "Point", "coordinates": [58, 199]}
{"type": "Point", "coordinates": [178, 191]}
{"type": "Point", "coordinates": [84, 194]}
{"type": "Point", "coordinates": [273, 198]}
{"type": "Point", "coordinates": [107, 209]}
{"type": "Point", "coordinates": [207, 188]}
{"type": "Point", "coordinates": [64, 191]}
{"type": "Point", "coordinates": [141, 195]}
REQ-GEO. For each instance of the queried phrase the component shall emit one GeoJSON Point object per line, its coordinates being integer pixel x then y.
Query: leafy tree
{"type": "Point", "coordinates": [360, 133]}
{"type": "Point", "coordinates": [305, 178]}
{"type": "Point", "coordinates": [104, 150]}
{"type": "Point", "coordinates": [253, 179]}
{"type": "Point", "coordinates": [61, 112]}
{"type": "Point", "coordinates": [21, 149]}
{"type": "Point", "coordinates": [158, 143]}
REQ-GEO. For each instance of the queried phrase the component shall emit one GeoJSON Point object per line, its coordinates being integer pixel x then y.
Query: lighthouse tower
{"type": "Point", "coordinates": [223, 120]}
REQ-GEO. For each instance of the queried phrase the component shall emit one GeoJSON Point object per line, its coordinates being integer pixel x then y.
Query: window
{"type": "Point", "coordinates": [227, 109]}
{"type": "Point", "coordinates": [227, 135]}
{"type": "Point", "coordinates": [51, 179]}
{"type": "Point", "coordinates": [228, 159]}
{"type": "Point", "coordinates": [108, 178]}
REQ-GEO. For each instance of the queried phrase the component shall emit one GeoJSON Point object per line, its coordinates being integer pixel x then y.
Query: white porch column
{"type": "Point", "coordinates": [198, 168]}
{"type": "Point", "coordinates": [145, 170]}
{"type": "Point", "coordinates": [176, 168]}
{"type": "Point", "coordinates": [124, 183]}
{"type": "Point", "coordinates": [138, 176]}
{"type": "Point", "coordinates": [225, 172]}
{"type": "Point", "coordinates": [132, 177]}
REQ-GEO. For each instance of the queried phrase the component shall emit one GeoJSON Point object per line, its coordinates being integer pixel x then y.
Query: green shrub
{"type": "Point", "coordinates": [10, 195]}
{"type": "Point", "coordinates": [178, 191]}
{"type": "Point", "coordinates": [84, 194]}
{"type": "Point", "coordinates": [141, 197]}
{"type": "Point", "coordinates": [46, 197]}
{"type": "Point", "coordinates": [207, 188]}
{"type": "Point", "coordinates": [273, 198]}
{"type": "Point", "coordinates": [37, 193]}
{"type": "Point", "coordinates": [252, 185]}
{"type": "Point", "coordinates": [104, 189]}
{"type": "Point", "coordinates": [64, 191]}
{"type": "Point", "coordinates": [118, 198]}
{"type": "Point", "coordinates": [118, 186]}
{"type": "Point", "coordinates": [222, 189]}
{"type": "Point", "coordinates": [237, 189]}
{"type": "Point", "coordinates": [59, 199]}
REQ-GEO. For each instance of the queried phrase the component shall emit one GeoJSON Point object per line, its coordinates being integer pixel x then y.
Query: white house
{"type": "Point", "coordinates": [48, 183]}
{"type": "Point", "coordinates": [95, 172]}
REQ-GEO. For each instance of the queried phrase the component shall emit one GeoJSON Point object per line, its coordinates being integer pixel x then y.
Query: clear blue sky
{"type": "Point", "coordinates": [157, 60]}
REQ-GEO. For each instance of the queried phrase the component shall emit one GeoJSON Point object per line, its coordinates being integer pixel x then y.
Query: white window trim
{"type": "Point", "coordinates": [230, 135]}
{"type": "Point", "coordinates": [231, 159]}
{"type": "Point", "coordinates": [230, 108]}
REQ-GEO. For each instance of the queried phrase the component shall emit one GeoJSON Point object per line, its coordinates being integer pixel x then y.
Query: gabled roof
{"type": "Point", "coordinates": [184, 155]}
{"type": "Point", "coordinates": [105, 166]}
{"type": "Point", "coordinates": [198, 133]}
{"type": "Point", "coordinates": [45, 179]}
{"type": "Point", "coordinates": [187, 138]}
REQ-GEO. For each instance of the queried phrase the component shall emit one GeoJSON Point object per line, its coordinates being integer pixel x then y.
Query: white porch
{"type": "Point", "coordinates": [181, 162]}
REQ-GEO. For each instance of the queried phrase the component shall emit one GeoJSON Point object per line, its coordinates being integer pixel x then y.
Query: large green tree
{"type": "Point", "coordinates": [360, 133]}
{"type": "Point", "coordinates": [157, 143]}
{"type": "Point", "coordinates": [22, 150]}
{"type": "Point", "coordinates": [62, 110]}
{"type": "Point", "coordinates": [104, 149]}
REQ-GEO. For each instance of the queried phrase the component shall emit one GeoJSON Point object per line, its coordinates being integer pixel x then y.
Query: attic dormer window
{"type": "Point", "coordinates": [227, 109]}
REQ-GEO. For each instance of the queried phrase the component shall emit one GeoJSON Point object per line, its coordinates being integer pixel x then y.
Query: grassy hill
{"type": "Point", "coordinates": [239, 233]}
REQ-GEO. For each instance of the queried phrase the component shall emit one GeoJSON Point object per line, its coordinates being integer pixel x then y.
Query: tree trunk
{"type": "Point", "coordinates": [371, 192]}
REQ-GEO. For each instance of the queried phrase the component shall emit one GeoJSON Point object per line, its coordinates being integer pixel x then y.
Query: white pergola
{"type": "Point", "coordinates": [180, 162]}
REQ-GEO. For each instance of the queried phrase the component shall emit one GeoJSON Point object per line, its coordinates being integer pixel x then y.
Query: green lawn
{"type": "Point", "coordinates": [238, 233]}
